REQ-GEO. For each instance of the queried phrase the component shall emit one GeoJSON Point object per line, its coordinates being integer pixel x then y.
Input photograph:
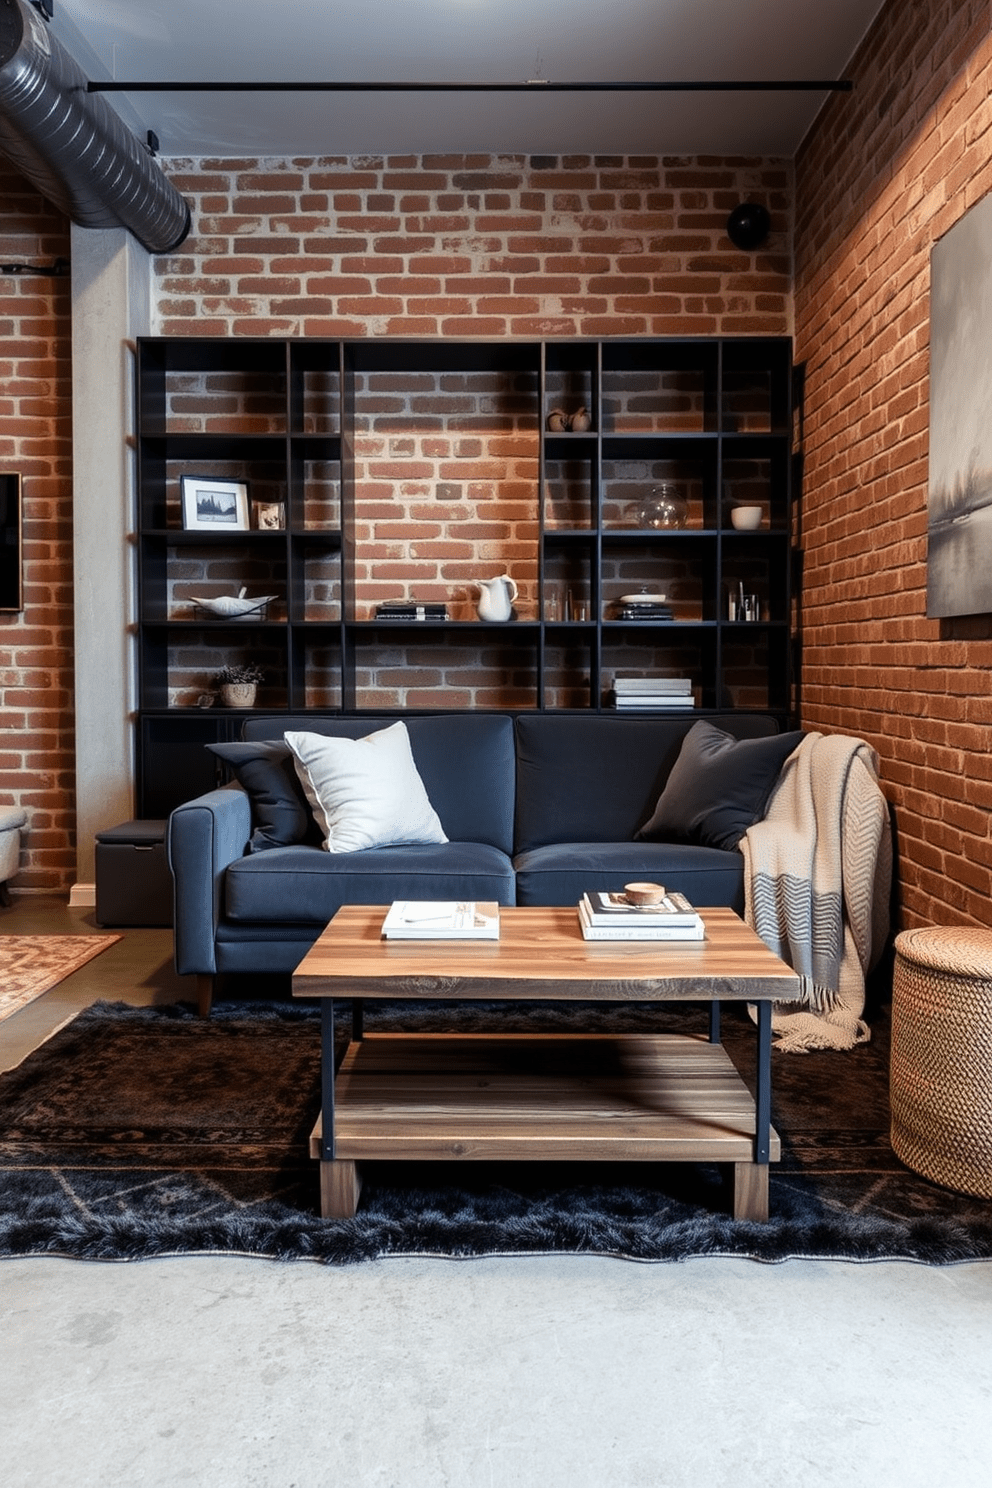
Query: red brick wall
{"type": "Point", "coordinates": [462, 246]}
{"type": "Point", "coordinates": [475, 246]}
{"type": "Point", "coordinates": [37, 754]}
{"type": "Point", "coordinates": [886, 172]}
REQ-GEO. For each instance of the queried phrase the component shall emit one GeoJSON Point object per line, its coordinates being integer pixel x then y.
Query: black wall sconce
{"type": "Point", "coordinates": [748, 226]}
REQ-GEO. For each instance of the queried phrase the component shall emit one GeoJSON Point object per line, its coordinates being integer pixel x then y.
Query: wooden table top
{"type": "Point", "coordinates": [541, 955]}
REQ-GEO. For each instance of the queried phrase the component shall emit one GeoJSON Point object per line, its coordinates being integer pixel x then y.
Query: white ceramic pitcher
{"type": "Point", "coordinates": [496, 597]}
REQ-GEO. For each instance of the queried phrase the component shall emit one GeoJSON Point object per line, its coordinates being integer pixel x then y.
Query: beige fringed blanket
{"type": "Point", "coordinates": [817, 872]}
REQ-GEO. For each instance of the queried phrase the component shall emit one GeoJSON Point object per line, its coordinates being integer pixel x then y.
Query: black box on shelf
{"type": "Point", "coordinates": [133, 882]}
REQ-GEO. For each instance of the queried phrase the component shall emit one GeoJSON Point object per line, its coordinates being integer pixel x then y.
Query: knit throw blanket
{"type": "Point", "coordinates": [817, 872]}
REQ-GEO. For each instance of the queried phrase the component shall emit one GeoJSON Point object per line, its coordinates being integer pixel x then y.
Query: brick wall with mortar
{"type": "Point", "coordinates": [484, 246]}
{"type": "Point", "coordinates": [887, 171]}
{"type": "Point", "coordinates": [37, 753]}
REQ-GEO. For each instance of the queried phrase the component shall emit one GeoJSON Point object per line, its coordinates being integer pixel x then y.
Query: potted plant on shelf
{"type": "Point", "coordinates": [239, 685]}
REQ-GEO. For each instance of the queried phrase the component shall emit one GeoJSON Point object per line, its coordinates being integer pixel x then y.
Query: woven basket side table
{"type": "Point", "coordinates": [941, 1062]}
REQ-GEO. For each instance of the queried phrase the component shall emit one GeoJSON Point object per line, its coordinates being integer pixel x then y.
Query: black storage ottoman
{"type": "Point", "coordinates": [133, 882]}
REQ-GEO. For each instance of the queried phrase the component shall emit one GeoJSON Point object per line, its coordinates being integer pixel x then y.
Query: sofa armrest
{"type": "Point", "coordinates": [204, 836]}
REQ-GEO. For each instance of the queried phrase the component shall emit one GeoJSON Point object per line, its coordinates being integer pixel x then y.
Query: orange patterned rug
{"type": "Point", "coordinates": [32, 964]}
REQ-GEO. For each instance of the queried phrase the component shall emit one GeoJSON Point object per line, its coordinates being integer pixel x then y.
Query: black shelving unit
{"type": "Point", "coordinates": [712, 415]}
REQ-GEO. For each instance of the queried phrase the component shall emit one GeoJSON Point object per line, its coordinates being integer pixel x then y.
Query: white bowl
{"type": "Point", "coordinates": [234, 607]}
{"type": "Point", "coordinates": [746, 518]}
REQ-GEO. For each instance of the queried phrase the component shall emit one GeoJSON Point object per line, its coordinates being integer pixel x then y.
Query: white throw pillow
{"type": "Point", "coordinates": [365, 792]}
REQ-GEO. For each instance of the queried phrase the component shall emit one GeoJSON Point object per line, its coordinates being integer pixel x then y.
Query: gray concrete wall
{"type": "Point", "coordinates": [111, 306]}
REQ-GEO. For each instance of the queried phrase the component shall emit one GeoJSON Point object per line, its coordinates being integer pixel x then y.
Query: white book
{"type": "Point", "coordinates": [652, 684]}
{"type": "Point", "coordinates": [654, 700]}
{"type": "Point", "coordinates": [626, 931]}
{"type": "Point", "coordinates": [430, 919]}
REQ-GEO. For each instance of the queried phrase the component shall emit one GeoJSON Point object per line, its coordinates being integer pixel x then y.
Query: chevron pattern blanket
{"type": "Point", "coordinates": [817, 875]}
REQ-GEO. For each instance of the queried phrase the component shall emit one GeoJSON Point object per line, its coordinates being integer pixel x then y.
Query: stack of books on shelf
{"type": "Point", "coordinates": [410, 609]}
{"type": "Point", "coordinates": [429, 919]}
{"type": "Point", "coordinates": [610, 916]}
{"type": "Point", "coordinates": [653, 692]}
{"type": "Point", "coordinates": [641, 610]}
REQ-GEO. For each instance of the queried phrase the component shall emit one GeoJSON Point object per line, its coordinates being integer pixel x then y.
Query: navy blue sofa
{"type": "Point", "coordinates": [537, 808]}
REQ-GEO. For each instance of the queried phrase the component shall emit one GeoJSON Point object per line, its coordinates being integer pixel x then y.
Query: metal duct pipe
{"type": "Point", "coordinates": [72, 145]}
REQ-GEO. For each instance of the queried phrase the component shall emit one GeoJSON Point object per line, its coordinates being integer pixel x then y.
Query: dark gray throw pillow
{"type": "Point", "coordinates": [280, 812]}
{"type": "Point", "coordinates": [718, 787]}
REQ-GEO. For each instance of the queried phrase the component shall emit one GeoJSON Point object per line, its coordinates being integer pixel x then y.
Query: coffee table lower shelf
{"type": "Point", "coordinates": [547, 1097]}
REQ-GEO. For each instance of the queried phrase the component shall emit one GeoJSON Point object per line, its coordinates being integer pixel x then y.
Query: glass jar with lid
{"type": "Point", "coordinates": [664, 506]}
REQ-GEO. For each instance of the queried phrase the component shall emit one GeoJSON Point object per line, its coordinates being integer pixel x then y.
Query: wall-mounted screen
{"type": "Point", "coordinates": [11, 593]}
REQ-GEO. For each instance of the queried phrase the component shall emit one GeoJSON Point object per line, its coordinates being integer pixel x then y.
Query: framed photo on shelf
{"type": "Point", "coordinates": [214, 505]}
{"type": "Point", "coordinates": [268, 516]}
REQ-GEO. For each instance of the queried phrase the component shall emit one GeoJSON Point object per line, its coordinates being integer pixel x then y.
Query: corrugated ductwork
{"type": "Point", "coordinates": [71, 144]}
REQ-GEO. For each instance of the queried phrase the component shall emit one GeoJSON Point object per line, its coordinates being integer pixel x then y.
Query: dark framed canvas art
{"type": "Point", "coordinates": [959, 504]}
{"type": "Point", "coordinates": [11, 566]}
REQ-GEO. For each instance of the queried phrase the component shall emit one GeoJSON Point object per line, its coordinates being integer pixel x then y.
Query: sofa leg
{"type": "Point", "coordinates": [204, 995]}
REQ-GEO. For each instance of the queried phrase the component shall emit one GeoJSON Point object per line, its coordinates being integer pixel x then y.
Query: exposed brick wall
{"type": "Point", "coordinates": [887, 171]}
{"type": "Point", "coordinates": [475, 245]}
{"type": "Point", "coordinates": [37, 754]}
{"type": "Point", "coordinates": [446, 465]}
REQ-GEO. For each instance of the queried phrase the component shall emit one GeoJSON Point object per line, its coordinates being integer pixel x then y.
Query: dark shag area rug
{"type": "Point", "coordinates": [149, 1132]}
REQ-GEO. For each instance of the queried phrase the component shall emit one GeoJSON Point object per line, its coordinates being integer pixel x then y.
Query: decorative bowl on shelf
{"type": "Point", "coordinates": [235, 606]}
{"type": "Point", "coordinates": [745, 518]}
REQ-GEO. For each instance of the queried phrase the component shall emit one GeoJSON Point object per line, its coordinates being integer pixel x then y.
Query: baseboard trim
{"type": "Point", "coordinates": [82, 896]}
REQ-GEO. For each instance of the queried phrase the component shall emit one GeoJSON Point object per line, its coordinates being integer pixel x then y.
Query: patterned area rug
{"type": "Point", "coordinates": [33, 964]}
{"type": "Point", "coordinates": [143, 1132]}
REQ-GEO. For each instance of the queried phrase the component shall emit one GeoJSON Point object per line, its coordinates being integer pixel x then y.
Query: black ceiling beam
{"type": "Point", "coordinates": [531, 85]}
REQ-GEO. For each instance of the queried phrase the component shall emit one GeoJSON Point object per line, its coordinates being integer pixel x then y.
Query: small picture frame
{"type": "Point", "coordinates": [214, 505]}
{"type": "Point", "coordinates": [268, 516]}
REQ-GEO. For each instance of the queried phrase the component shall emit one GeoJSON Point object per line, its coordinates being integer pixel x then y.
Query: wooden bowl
{"type": "Point", "coordinates": [644, 893]}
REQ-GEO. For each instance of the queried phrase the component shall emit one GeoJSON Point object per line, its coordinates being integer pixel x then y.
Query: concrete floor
{"type": "Point", "coordinates": [543, 1371]}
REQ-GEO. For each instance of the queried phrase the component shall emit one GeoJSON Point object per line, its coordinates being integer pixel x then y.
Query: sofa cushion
{"type": "Point", "coordinates": [562, 874]}
{"type": "Point", "coordinates": [718, 787]}
{"type": "Point", "coordinates": [365, 792]}
{"type": "Point", "coordinates": [280, 813]}
{"type": "Point", "coordinates": [307, 886]}
{"type": "Point", "coordinates": [597, 778]}
{"type": "Point", "coordinates": [473, 801]}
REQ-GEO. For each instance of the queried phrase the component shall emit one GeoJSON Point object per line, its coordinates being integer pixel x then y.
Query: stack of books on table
{"type": "Point", "coordinates": [429, 919]}
{"type": "Point", "coordinates": [653, 692]}
{"type": "Point", "coordinates": [411, 609]}
{"type": "Point", "coordinates": [608, 916]}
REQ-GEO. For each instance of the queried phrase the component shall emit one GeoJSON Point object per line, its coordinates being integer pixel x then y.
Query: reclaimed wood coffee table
{"type": "Point", "coordinates": [471, 1097]}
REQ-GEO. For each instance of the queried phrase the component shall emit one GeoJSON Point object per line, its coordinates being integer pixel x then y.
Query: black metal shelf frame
{"type": "Point", "coordinates": [714, 414]}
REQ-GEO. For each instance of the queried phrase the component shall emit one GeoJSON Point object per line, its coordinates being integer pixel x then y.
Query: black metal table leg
{"type": "Point", "coordinates": [327, 1079]}
{"type": "Point", "coordinates": [715, 1021]}
{"type": "Point", "coordinates": [763, 1096]}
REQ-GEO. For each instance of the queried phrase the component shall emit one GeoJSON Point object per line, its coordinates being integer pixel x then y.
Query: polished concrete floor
{"type": "Point", "coordinates": [538, 1372]}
